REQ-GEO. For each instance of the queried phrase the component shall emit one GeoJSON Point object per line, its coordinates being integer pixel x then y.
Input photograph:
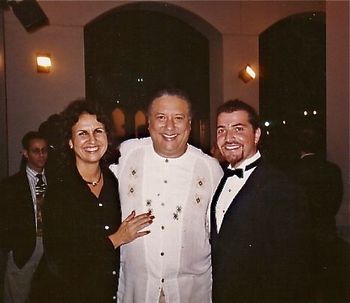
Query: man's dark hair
{"type": "Point", "coordinates": [29, 136]}
{"type": "Point", "coordinates": [231, 106]}
{"type": "Point", "coordinates": [175, 92]}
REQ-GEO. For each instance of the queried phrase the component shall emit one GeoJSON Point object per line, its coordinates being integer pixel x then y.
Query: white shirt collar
{"type": "Point", "coordinates": [246, 162]}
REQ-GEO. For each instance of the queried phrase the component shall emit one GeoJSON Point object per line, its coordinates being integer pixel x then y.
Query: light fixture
{"type": "Point", "coordinates": [43, 63]}
{"type": "Point", "coordinates": [247, 74]}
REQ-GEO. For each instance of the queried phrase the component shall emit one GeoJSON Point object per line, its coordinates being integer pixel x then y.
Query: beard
{"type": "Point", "coordinates": [234, 157]}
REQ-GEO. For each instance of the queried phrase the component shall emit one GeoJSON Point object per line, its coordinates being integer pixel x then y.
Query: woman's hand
{"type": "Point", "coordinates": [130, 228]}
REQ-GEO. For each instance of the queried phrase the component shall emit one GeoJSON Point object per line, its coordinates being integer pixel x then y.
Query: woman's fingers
{"type": "Point", "coordinates": [131, 216]}
{"type": "Point", "coordinates": [137, 224]}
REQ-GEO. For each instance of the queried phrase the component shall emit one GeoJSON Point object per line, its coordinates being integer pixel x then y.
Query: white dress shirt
{"type": "Point", "coordinates": [33, 180]}
{"type": "Point", "coordinates": [231, 188]}
{"type": "Point", "coordinates": [175, 256]}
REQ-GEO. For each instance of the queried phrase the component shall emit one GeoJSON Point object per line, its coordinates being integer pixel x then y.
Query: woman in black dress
{"type": "Point", "coordinates": [82, 228]}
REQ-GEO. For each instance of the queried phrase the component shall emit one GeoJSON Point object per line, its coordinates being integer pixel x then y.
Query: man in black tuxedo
{"type": "Point", "coordinates": [259, 221]}
{"type": "Point", "coordinates": [21, 233]}
{"type": "Point", "coordinates": [322, 182]}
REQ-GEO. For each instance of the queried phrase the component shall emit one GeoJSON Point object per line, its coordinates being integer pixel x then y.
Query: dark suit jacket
{"type": "Point", "coordinates": [80, 263]}
{"type": "Point", "coordinates": [261, 253]}
{"type": "Point", "coordinates": [322, 183]}
{"type": "Point", "coordinates": [17, 218]}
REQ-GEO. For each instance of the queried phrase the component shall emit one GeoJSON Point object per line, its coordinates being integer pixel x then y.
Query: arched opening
{"type": "Point", "coordinates": [138, 48]}
{"type": "Point", "coordinates": [118, 118]}
{"type": "Point", "coordinates": [292, 55]}
{"type": "Point", "coordinates": [140, 124]}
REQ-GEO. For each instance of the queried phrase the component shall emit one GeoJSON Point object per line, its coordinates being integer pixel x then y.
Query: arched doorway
{"type": "Point", "coordinates": [292, 58]}
{"type": "Point", "coordinates": [137, 48]}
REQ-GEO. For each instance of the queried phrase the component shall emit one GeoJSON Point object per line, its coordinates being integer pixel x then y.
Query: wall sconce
{"type": "Point", "coordinates": [43, 63]}
{"type": "Point", "coordinates": [247, 74]}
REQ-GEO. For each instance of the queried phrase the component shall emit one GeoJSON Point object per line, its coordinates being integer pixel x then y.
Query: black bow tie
{"type": "Point", "coordinates": [233, 172]}
{"type": "Point", "coordinates": [239, 171]}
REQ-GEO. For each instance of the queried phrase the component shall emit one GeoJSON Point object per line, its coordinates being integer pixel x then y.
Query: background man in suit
{"type": "Point", "coordinates": [21, 218]}
{"type": "Point", "coordinates": [258, 220]}
{"type": "Point", "coordinates": [322, 183]}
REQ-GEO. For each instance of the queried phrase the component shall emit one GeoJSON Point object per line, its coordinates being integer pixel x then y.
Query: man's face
{"type": "Point", "coordinates": [36, 154]}
{"type": "Point", "coordinates": [169, 126]}
{"type": "Point", "coordinates": [236, 138]}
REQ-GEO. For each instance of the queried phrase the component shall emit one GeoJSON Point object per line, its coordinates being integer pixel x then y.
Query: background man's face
{"type": "Point", "coordinates": [236, 138]}
{"type": "Point", "coordinates": [36, 154]}
{"type": "Point", "coordinates": [169, 126]}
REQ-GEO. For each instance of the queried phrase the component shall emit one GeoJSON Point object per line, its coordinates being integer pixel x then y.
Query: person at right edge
{"type": "Point", "coordinates": [323, 185]}
{"type": "Point", "coordinates": [259, 220]}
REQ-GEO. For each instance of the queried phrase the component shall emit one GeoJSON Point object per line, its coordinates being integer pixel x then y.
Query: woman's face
{"type": "Point", "coordinates": [89, 139]}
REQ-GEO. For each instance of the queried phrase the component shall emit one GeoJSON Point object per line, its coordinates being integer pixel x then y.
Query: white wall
{"type": "Point", "coordinates": [33, 97]}
{"type": "Point", "coordinates": [338, 96]}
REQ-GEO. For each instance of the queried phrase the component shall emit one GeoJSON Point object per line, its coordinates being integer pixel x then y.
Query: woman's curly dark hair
{"type": "Point", "coordinates": [70, 116]}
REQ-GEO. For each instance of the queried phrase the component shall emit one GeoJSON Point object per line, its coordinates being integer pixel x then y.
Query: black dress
{"type": "Point", "coordinates": [80, 263]}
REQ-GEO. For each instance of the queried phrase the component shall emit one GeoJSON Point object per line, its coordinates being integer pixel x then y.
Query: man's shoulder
{"type": "Point", "coordinates": [198, 153]}
{"type": "Point", "coordinates": [271, 174]}
{"type": "Point", "coordinates": [14, 179]}
{"type": "Point", "coordinates": [15, 186]}
{"type": "Point", "coordinates": [133, 144]}
{"type": "Point", "coordinates": [199, 156]}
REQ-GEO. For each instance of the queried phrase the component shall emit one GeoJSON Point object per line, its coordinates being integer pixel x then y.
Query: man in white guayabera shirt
{"type": "Point", "coordinates": [175, 181]}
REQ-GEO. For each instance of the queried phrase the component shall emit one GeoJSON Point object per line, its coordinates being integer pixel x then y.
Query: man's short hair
{"type": "Point", "coordinates": [231, 106]}
{"type": "Point", "coordinates": [175, 92]}
{"type": "Point", "coordinates": [29, 136]}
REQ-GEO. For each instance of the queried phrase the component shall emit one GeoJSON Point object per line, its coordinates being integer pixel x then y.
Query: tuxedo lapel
{"type": "Point", "coordinates": [247, 195]}
{"type": "Point", "coordinates": [213, 224]}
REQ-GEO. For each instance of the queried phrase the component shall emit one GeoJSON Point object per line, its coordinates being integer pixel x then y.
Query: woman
{"type": "Point", "coordinates": [82, 230]}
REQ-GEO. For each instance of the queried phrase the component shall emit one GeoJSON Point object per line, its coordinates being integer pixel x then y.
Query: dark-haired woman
{"type": "Point", "coordinates": [82, 228]}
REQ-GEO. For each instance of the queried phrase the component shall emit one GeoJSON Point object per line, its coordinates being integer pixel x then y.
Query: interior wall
{"type": "Point", "coordinates": [338, 96]}
{"type": "Point", "coordinates": [3, 106]}
{"type": "Point", "coordinates": [32, 97]}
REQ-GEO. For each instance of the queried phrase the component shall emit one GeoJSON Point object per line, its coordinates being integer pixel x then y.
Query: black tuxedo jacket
{"type": "Point", "coordinates": [261, 253]}
{"type": "Point", "coordinates": [18, 231]}
{"type": "Point", "coordinates": [322, 183]}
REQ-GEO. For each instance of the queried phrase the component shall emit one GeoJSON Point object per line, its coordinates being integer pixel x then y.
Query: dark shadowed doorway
{"type": "Point", "coordinates": [292, 55]}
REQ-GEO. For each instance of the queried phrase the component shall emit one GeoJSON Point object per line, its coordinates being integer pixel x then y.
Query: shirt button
{"type": "Point", "coordinates": [166, 160]}
{"type": "Point", "coordinates": [114, 272]}
{"type": "Point", "coordinates": [162, 227]}
{"type": "Point", "coordinates": [106, 227]}
{"type": "Point", "coordinates": [163, 280]}
{"type": "Point", "coordinates": [158, 194]}
{"type": "Point", "coordinates": [100, 204]}
{"type": "Point", "coordinates": [162, 203]}
{"type": "Point", "coordinates": [114, 297]}
{"type": "Point", "coordinates": [165, 181]}
{"type": "Point", "coordinates": [162, 254]}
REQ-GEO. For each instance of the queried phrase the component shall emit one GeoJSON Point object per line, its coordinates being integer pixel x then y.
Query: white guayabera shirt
{"type": "Point", "coordinates": [175, 256]}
